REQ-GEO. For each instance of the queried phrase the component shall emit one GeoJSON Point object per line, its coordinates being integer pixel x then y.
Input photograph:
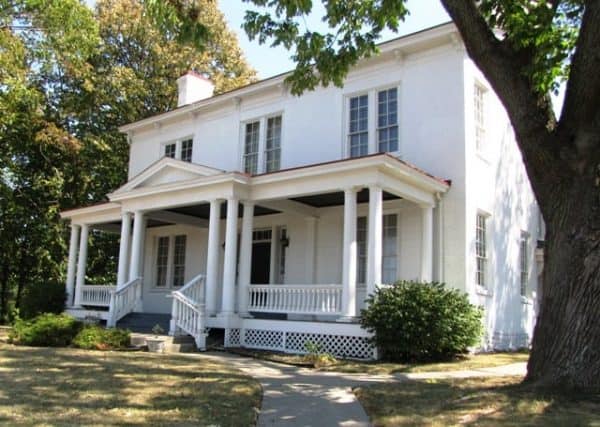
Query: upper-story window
{"type": "Point", "coordinates": [479, 116]}
{"type": "Point", "coordinates": [273, 144]}
{"type": "Point", "coordinates": [262, 145]}
{"type": "Point", "coordinates": [251, 143]}
{"type": "Point", "coordinates": [358, 135]}
{"type": "Point", "coordinates": [387, 120]}
{"type": "Point", "coordinates": [180, 150]}
{"type": "Point", "coordinates": [481, 255]}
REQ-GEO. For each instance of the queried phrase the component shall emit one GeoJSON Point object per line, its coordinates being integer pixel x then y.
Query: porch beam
{"type": "Point", "coordinates": [177, 218]}
{"type": "Point", "coordinates": [230, 262]}
{"type": "Point", "coordinates": [81, 264]}
{"type": "Point", "coordinates": [72, 265]}
{"type": "Point", "coordinates": [212, 258]}
{"type": "Point", "coordinates": [291, 207]}
{"type": "Point", "coordinates": [350, 256]}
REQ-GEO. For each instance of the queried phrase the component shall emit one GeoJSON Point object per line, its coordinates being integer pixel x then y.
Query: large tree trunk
{"type": "Point", "coordinates": [566, 343]}
{"type": "Point", "coordinates": [4, 291]}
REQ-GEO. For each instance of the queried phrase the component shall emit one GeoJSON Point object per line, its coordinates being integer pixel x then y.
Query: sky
{"type": "Point", "coordinates": [269, 61]}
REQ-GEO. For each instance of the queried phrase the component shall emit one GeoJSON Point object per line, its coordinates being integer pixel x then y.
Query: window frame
{"type": "Point", "coordinates": [366, 131]}
{"type": "Point", "coordinates": [378, 128]}
{"type": "Point", "coordinates": [277, 149]}
{"type": "Point", "coordinates": [261, 158]}
{"type": "Point", "coordinates": [361, 260]}
{"type": "Point", "coordinates": [171, 266]}
{"type": "Point", "coordinates": [482, 278]}
{"type": "Point", "coordinates": [524, 263]}
{"type": "Point", "coordinates": [246, 155]}
{"type": "Point", "coordinates": [479, 100]}
{"type": "Point", "coordinates": [178, 148]}
{"type": "Point", "coordinates": [372, 126]}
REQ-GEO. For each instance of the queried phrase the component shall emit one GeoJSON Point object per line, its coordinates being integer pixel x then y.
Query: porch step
{"type": "Point", "coordinates": [180, 344]}
{"type": "Point", "coordinates": [144, 322]}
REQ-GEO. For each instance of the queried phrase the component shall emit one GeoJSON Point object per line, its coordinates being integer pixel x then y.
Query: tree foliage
{"type": "Point", "coordinates": [69, 77]}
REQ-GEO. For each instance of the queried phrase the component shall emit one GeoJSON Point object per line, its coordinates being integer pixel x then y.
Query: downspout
{"type": "Point", "coordinates": [440, 245]}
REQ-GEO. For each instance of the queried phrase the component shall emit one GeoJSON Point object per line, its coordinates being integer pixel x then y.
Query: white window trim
{"type": "Point", "coordinates": [485, 290]}
{"type": "Point", "coordinates": [481, 150]}
{"type": "Point", "coordinates": [177, 143]}
{"type": "Point", "coordinates": [525, 237]}
{"type": "Point", "coordinates": [262, 140]}
{"type": "Point", "coordinates": [170, 262]}
{"type": "Point", "coordinates": [371, 92]}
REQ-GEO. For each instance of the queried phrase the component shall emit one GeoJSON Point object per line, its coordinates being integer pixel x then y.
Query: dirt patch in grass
{"type": "Point", "coordinates": [477, 361]}
{"type": "Point", "coordinates": [475, 401]}
{"type": "Point", "coordinates": [43, 386]}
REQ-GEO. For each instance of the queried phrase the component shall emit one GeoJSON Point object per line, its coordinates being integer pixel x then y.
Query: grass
{"type": "Point", "coordinates": [496, 401]}
{"type": "Point", "coordinates": [44, 386]}
{"type": "Point", "coordinates": [477, 361]}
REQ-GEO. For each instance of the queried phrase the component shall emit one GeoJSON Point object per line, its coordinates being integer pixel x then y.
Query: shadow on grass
{"type": "Point", "coordinates": [73, 387]}
{"type": "Point", "coordinates": [475, 401]}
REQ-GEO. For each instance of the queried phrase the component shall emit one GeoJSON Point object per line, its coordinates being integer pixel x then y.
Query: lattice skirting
{"type": "Point", "coordinates": [344, 346]}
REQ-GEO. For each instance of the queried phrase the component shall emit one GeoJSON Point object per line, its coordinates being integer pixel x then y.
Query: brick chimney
{"type": "Point", "coordinates": [193, 87]}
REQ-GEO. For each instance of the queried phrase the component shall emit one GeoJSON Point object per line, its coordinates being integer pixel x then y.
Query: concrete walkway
{"type": "Point", "coordinates": [295, 396]}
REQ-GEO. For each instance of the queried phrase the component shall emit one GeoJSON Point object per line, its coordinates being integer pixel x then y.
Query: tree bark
{"type": "Point", "coordinates": [566, 343]}
{"type": "Point", "coordinates": [4, 291]}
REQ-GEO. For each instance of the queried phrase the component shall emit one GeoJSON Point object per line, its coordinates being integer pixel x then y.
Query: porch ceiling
{"type": "Point", "coordinates": [203, 210]}
{"type": "Point", "coordinates": [337, 198]}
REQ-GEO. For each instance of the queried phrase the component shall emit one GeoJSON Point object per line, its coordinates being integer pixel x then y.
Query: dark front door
{"type": "Point", "coordinates": [261, 263]}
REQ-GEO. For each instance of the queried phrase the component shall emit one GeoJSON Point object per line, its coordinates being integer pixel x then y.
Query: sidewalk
{"type": "Point", "coordinates": [295, 396]}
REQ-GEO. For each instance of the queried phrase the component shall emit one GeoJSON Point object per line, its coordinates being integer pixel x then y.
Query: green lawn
{"type": "Point", "coordinates": [475, 401]}
{"type": "Point", "coordinates": [44, 386]}
{"type": "Point", "coordinates": [484, 360]}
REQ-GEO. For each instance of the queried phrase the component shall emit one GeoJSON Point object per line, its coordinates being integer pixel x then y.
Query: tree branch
{"type": "Point", "coordinates": [581, 108]}
{"type": "Point", "coordinates": [531, 115]}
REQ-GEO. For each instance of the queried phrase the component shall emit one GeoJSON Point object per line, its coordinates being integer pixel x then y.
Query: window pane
{"type": "Point", "coordinates": [251, 147]}
{"type": "Point", "coordinates": [361, 243]}
{"type": "Point", "coordinates": [358, 126]}
{"type": "Point", "coordinates": [387, 120]}
{"type": "Point", "coordinates": [273, 144]}
{"type": "Point", "coordinates": [390, 246]}
{"type": "Point", "coordinates": [162, 258]}
{"type": "Point", "coordinates": [480, 249]}
{"type": "Point", "coordinates": [186, 150]}
{"type": "Point", "coordinates": [170, 150]}
{"type": "Point", "coordinates": [179, 260]}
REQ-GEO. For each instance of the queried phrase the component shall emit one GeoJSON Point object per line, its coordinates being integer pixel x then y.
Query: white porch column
{"type": "Point", "coordinates": [212, 257]}
{"type": "Point", "coordinates": [245, 259]}
{"type": "Point", "coordinates": [81, 264]}
{"type": "Point", "coordinates": [228, 306]}
{"type": "Point", "coordinates": [426, 243]}
{"type": "Point", "coordinates": [374, 251]}
{"type": "Point", "coordinates": [124, 249]}
{"type": "Point", "coordinates": [350, 256]}
{"type": "Point", "coordinates": [73, 245]}
{"type": "Point", "coordinates": [136, 245]}
{"type": "Point", "coordinates": [310, 249]}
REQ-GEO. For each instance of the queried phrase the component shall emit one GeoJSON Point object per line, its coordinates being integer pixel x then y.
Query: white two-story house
{"type": "Point", "coordinates": [273, 216]}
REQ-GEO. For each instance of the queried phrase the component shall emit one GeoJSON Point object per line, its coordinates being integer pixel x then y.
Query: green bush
{"type": "Point", "coordinates": [412, 321]}
{"type": "Point", "coordinates": [39, 298]}
{"type": "Point", "coordinates": [47, 330]}
{"type": "Point", "coordinates": [93, 337]}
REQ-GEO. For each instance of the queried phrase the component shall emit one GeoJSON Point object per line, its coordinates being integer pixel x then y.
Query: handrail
{"type": "Point", "coordinates": [96, 295]}
{"type": "Point", "coordinates": [123, 300]}
{"type": "Point", "coordinates": [187, 312]}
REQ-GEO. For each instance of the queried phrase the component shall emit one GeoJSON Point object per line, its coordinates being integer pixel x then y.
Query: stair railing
{"type": "Point", "coordinates": [123, 301]}
{"type": "Point", "coordinates": [187, 311]}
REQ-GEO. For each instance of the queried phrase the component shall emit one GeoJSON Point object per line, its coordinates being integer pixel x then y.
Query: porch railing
{"type": "Point", "coordinates": [96, 295]}
{"type": "Point", "coordinates": [124, 300]}
{"type": "Point", "coordinates": [187, 311]}
{"type": "Point", "coordinates": [297, 299]}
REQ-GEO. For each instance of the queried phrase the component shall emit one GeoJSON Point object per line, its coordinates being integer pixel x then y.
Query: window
{"type": "Point", "coordinates": [524, 261]}
{"type": "Point", "coordinates": [479, 110]}
{"type": "Point", "coordinates": [251, 142]}
{"type": "Point", "coordinates": [358, 135]}
{"type": "Point", "coordinates": [186, 150]}
{"type": "Point", "coordinates": [387, 120]}
{"type": "Point", "coordinates": [162, 262]}
{"type": "Point", "coordinates": [481, 250]}
{"type": "Point", "coordinates": [180, 150]}
{"type": "Point", "coordinates": [171, 150]}
{"type": "Point", "coordinates": [170, 261]}
{"type": "Point", "coordinates": [389, 261]}
{"type": "Point", "coordinates": [179, 260]}
{"type": "Point", "coordinates": [273, 144]}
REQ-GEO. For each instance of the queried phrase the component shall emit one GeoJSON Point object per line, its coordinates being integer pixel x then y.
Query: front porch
{"type": "Point", "coordinates": [275, 260]}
